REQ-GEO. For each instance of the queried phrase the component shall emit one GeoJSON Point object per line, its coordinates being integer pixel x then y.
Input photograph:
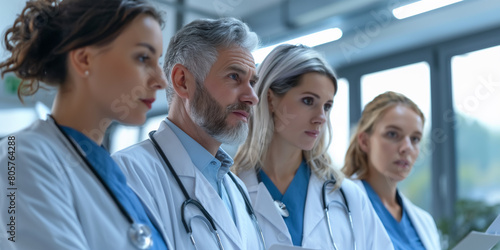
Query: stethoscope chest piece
{"type": "Point", "coordinates": [140, 236]}
{"type": "Point", "coordinates": [281, 208]}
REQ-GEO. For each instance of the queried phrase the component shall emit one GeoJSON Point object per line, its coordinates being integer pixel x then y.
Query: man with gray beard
{"type": "Point", "coordinates": [181, 173]}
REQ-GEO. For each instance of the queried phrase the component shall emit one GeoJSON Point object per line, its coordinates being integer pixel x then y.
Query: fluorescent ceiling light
{"type": "Point", "coordinates": [420, 7]}
{"type": "Point", "coordinates": [311, 40]}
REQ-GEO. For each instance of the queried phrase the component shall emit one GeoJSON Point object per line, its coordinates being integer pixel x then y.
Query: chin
{"type": "Point", "coordinates": [134, 119]}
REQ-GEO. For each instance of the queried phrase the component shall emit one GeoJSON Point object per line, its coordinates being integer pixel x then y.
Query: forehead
{"type": "Point", "coordinates": [403, 117]}
{"type": "Point", "coordinates": [316, 83]}
{"type": "Point", "coordinates": [234, 56]}
{"type": "Point", "coordinates": [142, 29]}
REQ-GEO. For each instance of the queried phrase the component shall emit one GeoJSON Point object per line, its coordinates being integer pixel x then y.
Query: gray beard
{"type": "Point", "coordinates": [211, 117]}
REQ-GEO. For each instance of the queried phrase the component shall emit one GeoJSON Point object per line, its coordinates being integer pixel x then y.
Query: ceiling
{"type": "Point", "coordinates": [369, 29]}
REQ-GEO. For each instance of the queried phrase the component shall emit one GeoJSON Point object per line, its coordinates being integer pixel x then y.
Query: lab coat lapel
{"type": "Point", "coordinates": [155, 219]}
{"type": "Point", "coordinates": [200, 188]}
{"type": "Point", "coordinates": [175, 152]}
{"type": "Point", "coordinates": [313, 213]}
{"type": "Point", "coordinates": [264, 204]}
{"type": "Point", "coordinates": [243, 221]}
{"type": "Point", "coordinates": [419, 226]}
{"type": "Point", "coordinates": [214, 205]}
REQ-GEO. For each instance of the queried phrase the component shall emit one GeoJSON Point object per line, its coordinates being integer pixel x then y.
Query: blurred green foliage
{"type": "Point", "coordinates": [470, 215]}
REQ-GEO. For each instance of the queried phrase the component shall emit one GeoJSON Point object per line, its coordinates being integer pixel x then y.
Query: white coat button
{"type": "Point", "coordinates": [281, 237]}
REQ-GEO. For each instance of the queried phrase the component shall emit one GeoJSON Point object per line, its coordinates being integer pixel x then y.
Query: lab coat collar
{"type": "Point", "coordinates": [263, 203]}
{"type": "Point", "coordinates": [417, 223]}
{"type": "Point", "coordinates": [203, 191]}
{"type": "Point", "coordinates": [155, 218]}
{"type": "Point", "coordinates": [313, 212]}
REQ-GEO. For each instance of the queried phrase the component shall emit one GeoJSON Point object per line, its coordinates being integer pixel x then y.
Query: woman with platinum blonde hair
{"type": "Point", "coordinates": [285, 165]}
{"type": "Point", "coordinates": [382, 152]}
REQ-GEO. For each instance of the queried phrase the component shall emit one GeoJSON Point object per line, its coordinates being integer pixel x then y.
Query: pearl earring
{"type": "Point", "coordinates": [87, 73]}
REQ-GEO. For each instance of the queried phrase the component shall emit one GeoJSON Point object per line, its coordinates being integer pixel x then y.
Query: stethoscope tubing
{"type": "Point", "coordinates": [326, 209]}
{"type": "Point", "coordinates": [135, 227]}
{"type": "Point", "coordinates": [196, 203]}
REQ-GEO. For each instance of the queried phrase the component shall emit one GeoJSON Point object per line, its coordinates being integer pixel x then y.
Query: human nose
{"type": "Point", "coordinates": [406, 145]}
{"type": "Point", "coordinates": [157, 79]}
{"type": "Point", "coordinates": [249, 96]}
{"type": "Point", "coordinates": [320, 116]}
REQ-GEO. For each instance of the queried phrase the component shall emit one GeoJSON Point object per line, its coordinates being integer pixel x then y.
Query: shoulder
{"type": "Point", "coordinates": [37, 145]}
{"type": "Point", "coordinates": [354, 187]}
{"type": "Point", "coordinates": [417, 212]}
{"type": "Point", "coordinates": [249, 178]}
{"type": "Point", "coordinates": [37, 134]}
{"type": "Point", "coordinates": [138, 160]}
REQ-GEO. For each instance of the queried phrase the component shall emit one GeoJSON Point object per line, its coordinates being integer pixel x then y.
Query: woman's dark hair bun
{"type": "Point", "coordinates": [47, 30]}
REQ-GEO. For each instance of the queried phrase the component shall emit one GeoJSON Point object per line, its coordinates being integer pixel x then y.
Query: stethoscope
{"type": "Point", "coordinates": [326, 208]}
{"type": "Point", "coordinates": [206, 218]}
{"type": "Point", "coordinates": [139, 234]}
{"type": "Point", "coordinates": [281, 207]}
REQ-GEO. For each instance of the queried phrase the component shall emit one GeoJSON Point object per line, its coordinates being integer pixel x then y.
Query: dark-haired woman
{"type": "Point", "coordinates": [65, 190]}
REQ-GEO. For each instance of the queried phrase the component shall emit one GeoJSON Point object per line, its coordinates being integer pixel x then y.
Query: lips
{"type": "Point", "coordinates": [312, 133]}
{"type": "Point", "coordinates": [148, 102]}
{"type": "Point", "coordinates": [402, 163]}
{"type": "Point", "coordinates": [242, 114]}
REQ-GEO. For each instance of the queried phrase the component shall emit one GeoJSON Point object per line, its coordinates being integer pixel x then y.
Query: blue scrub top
{"type": "Point", "coordinates": [294, 199]}
{"type": "Point", "coordinates": [403, 234]}
{"type": "Point", "coordinates": [114, 178]}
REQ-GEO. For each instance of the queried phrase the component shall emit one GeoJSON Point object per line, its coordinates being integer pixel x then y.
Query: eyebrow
{"type": "Point", "coordinates": [315, 95]}
{"type": "Point", "coordinates": [241, 71]}
{"type": "Point", "coordinates": [148, 46]}
{"type": "Point", "coordinates": [398, 128]}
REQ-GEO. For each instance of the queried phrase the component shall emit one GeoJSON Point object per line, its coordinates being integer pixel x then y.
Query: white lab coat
{"type": "Point", "coordinates": [368, 229]}
{"type": "Point", "coordinates": [59, 202]}
{"type": "Point", "coordinates": [422, 221]}
{"type": "Point", "coordinates": [150, 177]}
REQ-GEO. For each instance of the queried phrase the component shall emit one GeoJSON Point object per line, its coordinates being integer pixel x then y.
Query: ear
{"type": "Point", "coordinates": [79, 60]}
{"type": "Point", "coordinates": [364, 141]}
{"type": "Point", "coordinates": [271, 100]}
{"type": "Point", "coordinates": [183, 81]}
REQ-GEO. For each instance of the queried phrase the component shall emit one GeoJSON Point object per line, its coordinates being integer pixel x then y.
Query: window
{"type": "Point", "coordinates": [413, 81]}
{"type": "Point", "coordinates": [339, 117]}
{"type": "Point", "coordinates": [476, 101]}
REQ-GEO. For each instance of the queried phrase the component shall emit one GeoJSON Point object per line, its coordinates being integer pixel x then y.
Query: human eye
{"type": "Point", "coordinates": [252, 83]}
{"type": "Point", "coordinates": [143, 58]}
{"type": "Point", "coordinates": [328, 107]}
{"type": "Point", "coordinates": [415, 139]}
{"type": "Point", "coordinates": [391, 134]}
{"type": "Point", "coordinates": [234, 76]}
{"type": "Point", "coordinates": [308, 101]}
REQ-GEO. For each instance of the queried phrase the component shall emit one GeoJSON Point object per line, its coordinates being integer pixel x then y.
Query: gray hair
{"type": "Point", "coordinates": [195, 46]}
{"type": "Point", "coordinates": [280, 72]}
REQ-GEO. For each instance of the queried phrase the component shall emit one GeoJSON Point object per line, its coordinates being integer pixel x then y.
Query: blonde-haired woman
{"type": "Point", "coordinates": [285, 166]}
{"type": "Point", "coordinates": [382, 152]}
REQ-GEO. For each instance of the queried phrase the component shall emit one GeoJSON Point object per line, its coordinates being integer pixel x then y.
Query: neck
{"type": "Point", "coordinates": [386, 190]}
{"type": "Point", "coordinates": [78, 113]}
{"type": "Point", "coordinates": [281, 163]}
{"type": "Point", "coordinates": [179, 116]}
